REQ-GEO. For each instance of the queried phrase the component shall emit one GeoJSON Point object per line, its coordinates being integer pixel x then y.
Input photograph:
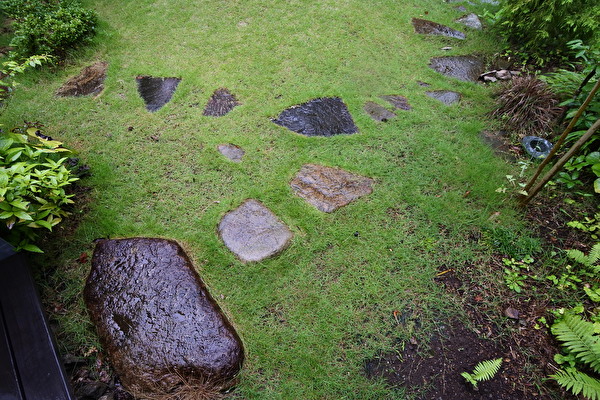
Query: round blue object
{"type": "Point", "coordinates": [537, 147]}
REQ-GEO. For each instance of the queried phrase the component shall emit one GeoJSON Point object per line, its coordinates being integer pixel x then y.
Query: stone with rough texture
{"type": "Point", "coordinates": [156, 92]}
{"type": "Point", "coordinates": [426, 27]}
{"type": "Point", "coordinates": [89, 81]}
{"type": "Point", "coordinates": [252, 232]}
{"type": "Point", "coordinates": [465, 68]}
{"type": "Point", "coordinates": [329, 188]}
{"type": "Point", "coordinates": [400, 102]}
{"type": "Point", "coordinates": [377, 112]}
{"type": "Point", "coordinates": [155, 317]}
{"type": "Point", "coordinates": [220, 103]}
{"type": "Point", "coordinates": [231, 151]}
{"type": "Point", "coordinates": [470, 21]}
{"type": "Point", "coordinates": [445, 96]}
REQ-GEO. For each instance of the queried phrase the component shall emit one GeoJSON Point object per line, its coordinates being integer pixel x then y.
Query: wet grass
{"type": "Point", "coordinates": [311, 317]}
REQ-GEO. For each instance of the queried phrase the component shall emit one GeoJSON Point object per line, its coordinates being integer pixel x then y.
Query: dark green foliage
{"type": "Point", "coordinates": [483, 371]}
{"type": "Point", "coordinates": [515, 244]}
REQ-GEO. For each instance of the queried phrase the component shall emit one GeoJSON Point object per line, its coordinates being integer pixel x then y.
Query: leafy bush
{"type": "Point", "coordinates": [12, 68]}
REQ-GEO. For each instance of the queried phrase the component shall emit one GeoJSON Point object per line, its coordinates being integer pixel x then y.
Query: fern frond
{"type": "Point", "coordinates": [578, 382]}
{"type": "Point", "coordinates": [579, 256]}
{"type": "Point", "coordinates": [579, 338]}
{"type": "Point", "coordinates": [595, 253]}
{"type": "Point", "coordinates": [486, 369]}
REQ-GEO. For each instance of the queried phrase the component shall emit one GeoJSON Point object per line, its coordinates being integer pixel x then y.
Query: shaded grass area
{"type": "Point", "coordinates": [311, 317]}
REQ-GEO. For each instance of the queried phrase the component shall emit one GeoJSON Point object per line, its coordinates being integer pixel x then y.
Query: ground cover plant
{"type": "Point", "coordinates": [354, 284]}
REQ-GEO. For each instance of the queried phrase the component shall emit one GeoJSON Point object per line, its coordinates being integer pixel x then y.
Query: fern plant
{"type": "Point", "coordinates": [483, 371]}
{"type": "Point", "coordinates": [592, 263]}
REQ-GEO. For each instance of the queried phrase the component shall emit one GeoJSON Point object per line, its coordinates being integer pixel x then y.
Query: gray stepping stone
{"type": "Point", "coordinates": [155, 317]}
{"type": "Point", "coordinates": [445, 96]}
{"type": "Point", "coordinates": [156, 92]}
{"type": "Point", "coordinates": [327, 116]}
{"type": "Point", "coordinates": [471, 21]}
{"type": "Point", "coordinates": [498, 141]}
{"type": "Point", "coordinates": [464, 68]}
{"type": "Point", "coordinates": [329, 188]}
{"type": "Point", "coordinates": [231, 151]}
{"type": "Point", "coordinates": [89, 82]}
{"type": "Point", "coordinates": [423, 84]}
{"type": "Point", "coordinates": [220, 103]}
{"type": "Point", "coordinates": [400, 102]}
{"type": "Point", "coordinates": [377, 112]}
{"type": "Point", "coordinates": [426, 27]}
{"type": "Point", "coordinates": [252, 232]}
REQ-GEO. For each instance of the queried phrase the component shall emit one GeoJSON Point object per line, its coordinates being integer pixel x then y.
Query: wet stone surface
{"type": "Point", "coordinates": [447, 97]}
{"type": "Point", "coordinates": [464, 68]}
{"type": "Point", "coordinates": [471, 21]}
{"type": "Point", "coordinates": [155, 317]}
{"type": "Point", "coordinates": [399, 102]}
{"type": "Point", "coordinates": [156, 92]}
{"type": "Point", "coordinates": [252, 232]}
{"type": "Point", "coordinates": [319, 117]}
{"type": "Point", "coordinates": [220, 103]}
{"type": "Point", "coordinates": [329, 188]}
{"type": "Point", "coordinates": [89, 82]}
{"type": "Point", "coordinates": [426, 27]}
{"type": "Point", "coordinates": [377, 112]}
{"type": "Point", "coordinates": [231, 151]}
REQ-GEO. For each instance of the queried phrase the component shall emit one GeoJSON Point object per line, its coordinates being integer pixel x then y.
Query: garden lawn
{"type": "Point", "coordinates": [311, 317]}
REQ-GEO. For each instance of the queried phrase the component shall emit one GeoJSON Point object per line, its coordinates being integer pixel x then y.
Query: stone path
{"type": "Point", "coordinates": [220, 103]}
{"type": "Point", "coordinates": [447, 97]}
{"type": "Point", "coordinates": [377, 112]}
{"type": "Point", "coordinates": [156, 92]}
{"type": "Point", "coordinates": [464, 68]}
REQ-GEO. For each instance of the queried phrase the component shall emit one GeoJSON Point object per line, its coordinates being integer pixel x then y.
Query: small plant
{"type": "Point", "coordinates": [588, 224]}
{"type": "Point", "coordinates": [514, 277]}
{"type": "Point", "coordinates": [483, 371]}
{"type": "Point", "coordinates": [12, 68]}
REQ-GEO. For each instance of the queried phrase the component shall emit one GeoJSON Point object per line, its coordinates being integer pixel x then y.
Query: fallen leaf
{"type": "Point", "coordinates": [511, 313]}
{"type": "Point", "coordinates": [83, 258]}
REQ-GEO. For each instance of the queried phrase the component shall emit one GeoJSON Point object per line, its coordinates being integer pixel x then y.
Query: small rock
{"type": "Point", "coordinates": [377, 112]}
{"type": "Point", "coordinates": [445, 96]}
{"type": "Point", "coordinates": [464, 68]}
{"type": "Point", "coordinates": [511, 313]}
{"type": "Point", "coordinates": [426, 27]}
{"type": "Point", "coordinates": [471, 21]}
{"type": "Point", "coordinates": [446, 48]}
{"type": "Point", "coordinates": [91, 390]}
{"type": "Point", "coordinates": [232, 152]}
{"type": "Point", "coordinates": [489, 78]}
{"type": "Point", "coordinates": [503, 75]}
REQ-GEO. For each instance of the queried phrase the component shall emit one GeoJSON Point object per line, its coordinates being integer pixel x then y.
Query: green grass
{"type": "Point", "coordinates": [311, 317]}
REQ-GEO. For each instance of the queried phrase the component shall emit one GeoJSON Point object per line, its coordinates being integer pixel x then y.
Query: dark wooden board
{"type": "Point", "coordinates": [9, 384]}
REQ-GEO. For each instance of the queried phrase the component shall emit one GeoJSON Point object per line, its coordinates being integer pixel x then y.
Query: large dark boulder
{"type": "Point", "coordinates": [156, 319]}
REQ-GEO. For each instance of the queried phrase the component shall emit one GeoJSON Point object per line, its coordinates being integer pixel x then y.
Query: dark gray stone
{"type": "Point", "coordinates": [231, 151]}
{"type": "Point", "coordinates": [471, 21]}
{"type": "Point", "coordinates": [426, 27]}
{"type": "Point", "coordinates": [465, 68]}
{"type": "Point", "coordinates": [399, 102]}
{"type": "Point", "coordinates": [155, 317]}
{"type": "Point", "coordinates": [89, 81]}
{"type": "Point", "coordinates": [252, 232]}
{"type": "Point", "coordinates": [220, 103]}
{"type": "Point", "coordinates": [499, 143]}
{"type": "Point", "coordinates": [445, 96]}
{"type": "Point", "coordinates": [377, 112]}
{"type": "Point", "coordinates": [156, 92]}
{"type": "Point", "coordinates": [91, 390]}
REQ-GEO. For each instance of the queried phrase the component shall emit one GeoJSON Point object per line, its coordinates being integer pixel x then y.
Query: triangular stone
{"type": "Point", "coordinates": [156, 92]}
{"type": "Point", "coordinates": [220, 103]}
{"type": "Point", "coordinates": [426, 27]}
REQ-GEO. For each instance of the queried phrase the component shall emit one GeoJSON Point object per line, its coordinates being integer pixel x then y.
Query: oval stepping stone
{"type": "Point", "coordinates": [377, 112]}
{"type": "Point", "coordinates": [319, 117]}
{"type": "Point", "coordinates": [426, 27]}
{"type": "Point", "coordinates": [155, 317]}
{"type": "Point", "coordinates": [231, 151]}
{"type": "Point", "coordinates": [329, 188]}
{"type": "Point", "coordinates": [89, 81]}
{"type": "Point", "coordinates": [471, 21]}
{"type": "Point", "coordinates": [465, 68]}
{"type": "Point", "coordinates": [156, 92]}
{"type": "Point", "coordinates": [220, 103]}
{"type": "Point", "coordinates": [445, 96]}
{"type": "Point", "coordinates": [400, 102]}
{"type": "Point", "coordinates": [252, 232]}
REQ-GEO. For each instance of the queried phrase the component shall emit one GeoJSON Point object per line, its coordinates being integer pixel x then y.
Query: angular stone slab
{"type": "Point", "coordinates": [231, 151]}
{"type": "Point", "coordinates": [329, 188]}
{"type": "Point", "coordinates": [252, 232]}
{"type": "Point", "coordinates": [445, 96]}
{"type": "Point", "coordinates": [471, 21]}
{"type": "Point", "coordinates": [400, 102]}
{"type": "Point", "coordinates": [426, 27]}
{"type": "Point", "coordinates": [464, 68]}
{"type": "Point", "coordinates": [319, 117]}
{"type": "Point", "coordinates": [220, 103]}
{"type": "Point", "coordinates": [89, 81]}
{"type": "Point", "coordinates": [156, 92]}
{"type": "Point", "coordinates": [155, 317]}
{"type": "Point", "coordinates": [377, 112]}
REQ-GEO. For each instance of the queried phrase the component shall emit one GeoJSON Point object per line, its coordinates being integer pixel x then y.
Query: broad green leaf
{"type": "Point", "coordinates": [597, 185]}
{"type": "Point", "coordinates": [23, 205]}
{"type": "Point", "coordinates": [23, 215]}
{"type": "Point", "coordinates": [32, 248]}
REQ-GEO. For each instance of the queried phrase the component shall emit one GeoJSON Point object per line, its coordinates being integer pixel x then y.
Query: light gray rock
{"type": "Point", "coordinates": [445, 96]}
{"type": "Point", "coordinates": [471, 21]}
{"type": "Point", "coordinates": [465, 68]}
{"type": "Point", "coordinates": [231, 151]}
{"type": "Point", "coordinates": [377, 112]}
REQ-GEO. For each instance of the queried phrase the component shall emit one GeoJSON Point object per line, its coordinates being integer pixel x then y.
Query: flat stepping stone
{"type": "Point", "coordinates": [220, 103]}
{"type": "Point", "coordinates": [90, 81]}
{"type": "Point", "coordinates": [426, 27]}
{"type": "Point", "coordinates": [329, 188]}
{"type": "Point", "coordinates": [377, 112]}
{"type": "Point", "coordinates": [471, 21]}
{"type": "Point", "coordinates": [499, 143]}
{"type": "Point", "coordinates": [252, 232]}
{"type": "Point", "coordinates": [155, 317]}
{"type": "Point", "coordinates": [447, 97]}
{"type": "Point", "coordinates": [399, 102]}
{"type": "Point", "coordinates": [327, 116]}
{"type": "Point", "coordinates": [231, 151]}
{"type": "Point", "coordinates": [464, 68]}
{"type": "Point", "coordinates": [156, 92]}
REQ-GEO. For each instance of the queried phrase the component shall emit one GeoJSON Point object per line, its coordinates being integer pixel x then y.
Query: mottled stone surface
{"type": "Point", "coordinates": [445, 96]}
{"type": "Point", "coordinates": [220, 103]}
{"type": "Point", "coordinates": [319, 117]}
{"type": "Point", "coordinates": [465, 68]}
{"type": "Point", "coordinates": [426, 27]}
{"type": "Point", "coordinates": [499, 142]}
{"type": "Point", "coordinates": [231, 151]}
{"type": "Point", "coordinates": [89, 81]}
{"type": "Point", "coordinates": [155, 317]}
{"type": "Point", "coordinates": [156, 92]}
{"type": "Point", "coordinates": [329, 188]}
{"type": "Point", "coordinates": [400, 102]}
{"type": "Point", "coordinates": [377, 112]}
{"type": "Point", "coordinates": [252, 232]}
{"type": "Point", "coordinates": [471, 21]}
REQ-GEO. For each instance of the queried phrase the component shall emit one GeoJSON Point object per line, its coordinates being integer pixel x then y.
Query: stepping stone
{"type": "Point", "coordinates": [156, 92]}
{"type": "Point", "coordinates": [252, 232]}
{"type": "Point", "coordinates": [426, 27]}
{"type": "Point", "coordinates": [498, 141]}
{"type": "Point", "coordinates": [377, 112]}
{"type": "Point", "coordinates": [471, 21]}
{"type": "Point", "coordinates": [464, 68]}
{"type": "Point", "coordinates": [400, 102]}
{"type": "Point", "coordinates": [155, 317]}
{"type": "Point", "coordinates": [220, 103]}
{"type": "Point", "coordinates": [231, 151]}
{"type": "Point", "coordinates": [329, 188]}
{"type": "Point", "coordinates": [445, 96]}
{"type": "Point", "coordinates": [423, 84]}
{"type": "Point", "coordinates": [319, 117]}
{"type": "Point", "coordinates": [89, 81]}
